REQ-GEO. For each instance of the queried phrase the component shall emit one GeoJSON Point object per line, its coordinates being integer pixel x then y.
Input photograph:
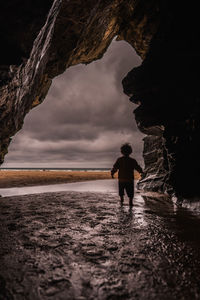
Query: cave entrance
{"type": "Point", "coordinates": [84, 119]}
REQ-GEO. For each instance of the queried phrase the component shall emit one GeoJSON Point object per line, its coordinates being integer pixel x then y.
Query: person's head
{"type": "Point", "coordinates": [126, 149]}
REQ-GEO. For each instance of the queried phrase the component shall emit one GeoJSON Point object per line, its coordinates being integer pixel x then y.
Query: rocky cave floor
{"type": "Point", "coordinates": [73, 245]}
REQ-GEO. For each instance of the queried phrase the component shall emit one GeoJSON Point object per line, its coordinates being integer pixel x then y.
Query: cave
{"type": "Point", "coordinates": [41, 39]}
{"type": "Point", "coordinates": [84, 119]}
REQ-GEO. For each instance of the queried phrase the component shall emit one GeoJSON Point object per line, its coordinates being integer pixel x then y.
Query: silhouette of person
{"type": "Point", "coordinates": [125, 166]}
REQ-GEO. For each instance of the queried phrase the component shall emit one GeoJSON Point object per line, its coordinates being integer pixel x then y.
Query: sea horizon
{"type": "Point", "coordinates": [53, 169]}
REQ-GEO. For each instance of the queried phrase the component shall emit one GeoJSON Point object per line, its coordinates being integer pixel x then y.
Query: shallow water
{"type": "Point", "coordinates": [103, 186]}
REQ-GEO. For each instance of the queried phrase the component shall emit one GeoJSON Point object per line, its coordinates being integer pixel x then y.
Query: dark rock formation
{"type": "Point", "coordinates": [167, 87]}
{"type": "Point", "coordinates": [40, 39]}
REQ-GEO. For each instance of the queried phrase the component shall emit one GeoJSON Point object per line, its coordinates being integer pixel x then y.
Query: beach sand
{"type": "Point", "coordinates": [10, 178]}
{"type": "Point", "coordinates": [81, 246]}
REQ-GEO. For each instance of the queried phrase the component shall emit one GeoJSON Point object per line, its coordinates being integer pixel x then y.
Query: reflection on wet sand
{"type": "Point", "coordinates": [184, 219]}
{"type": "Point", "coordinates": [85, 245]}
{"type": "Point", "coordinates": [106, 185]}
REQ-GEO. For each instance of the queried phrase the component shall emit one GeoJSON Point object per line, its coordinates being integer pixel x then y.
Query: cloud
{"type": "Point", "coordinates": [84, 119]}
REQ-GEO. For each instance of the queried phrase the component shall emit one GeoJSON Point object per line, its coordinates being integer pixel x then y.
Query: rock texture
{"type": "Point", "coordinates": [42, 38]}
{"type": "Point", "coordinates": [167, 89]}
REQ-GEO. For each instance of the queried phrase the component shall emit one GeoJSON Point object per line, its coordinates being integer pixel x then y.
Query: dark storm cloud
{"type": "Point", "coordinates": [85, 117]}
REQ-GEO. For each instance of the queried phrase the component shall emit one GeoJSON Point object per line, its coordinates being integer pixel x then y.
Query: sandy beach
{"type": "Point", "coordinates": [10, 179]}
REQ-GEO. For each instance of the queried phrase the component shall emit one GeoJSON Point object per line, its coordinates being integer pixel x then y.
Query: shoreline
{"type": "Point", "coordinates": [9, 179]}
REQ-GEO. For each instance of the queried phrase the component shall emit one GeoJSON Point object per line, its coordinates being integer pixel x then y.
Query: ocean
{"type": "Point", "coordinates": [55, 169]}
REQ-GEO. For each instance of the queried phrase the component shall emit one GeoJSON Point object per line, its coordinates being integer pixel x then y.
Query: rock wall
{"type": "Point", "coordinates": [42, 38]}
{"type": "Point", "coordinates": [166, 86]}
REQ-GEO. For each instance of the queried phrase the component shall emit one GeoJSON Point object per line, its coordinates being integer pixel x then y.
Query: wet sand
{"type": "Point", "coordinates": [106, 185]}
{"type": "Point", "coordinates": [84, 245]}
{"type": "Point", "coordinates": [10, 179]}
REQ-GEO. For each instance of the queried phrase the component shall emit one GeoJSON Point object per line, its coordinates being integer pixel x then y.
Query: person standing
{"type": "Point", "coordinates": [125, 165]}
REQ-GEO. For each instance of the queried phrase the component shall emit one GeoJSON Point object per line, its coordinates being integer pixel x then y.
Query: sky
{"type": "Point", "coordinates": [84, 119]}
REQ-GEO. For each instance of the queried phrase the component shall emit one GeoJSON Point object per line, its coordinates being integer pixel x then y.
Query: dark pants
{"type": "Point", "coordinates": [128, 186]}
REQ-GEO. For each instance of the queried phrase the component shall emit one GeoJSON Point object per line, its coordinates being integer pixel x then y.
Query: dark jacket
{"type": "Point", "coordinates": [126, 166]}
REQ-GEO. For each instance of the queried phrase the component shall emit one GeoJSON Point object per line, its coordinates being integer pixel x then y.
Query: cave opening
{"type": "Point", "coordinates": [40, 40]}
{"type": "Point", "coordinates": [84, 119]}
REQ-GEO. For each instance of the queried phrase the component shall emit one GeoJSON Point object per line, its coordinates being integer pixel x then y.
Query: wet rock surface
{"type": "Point", "coordinates": [86, 246]}
{"type": "Point", "coordinates": [156, 165]}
